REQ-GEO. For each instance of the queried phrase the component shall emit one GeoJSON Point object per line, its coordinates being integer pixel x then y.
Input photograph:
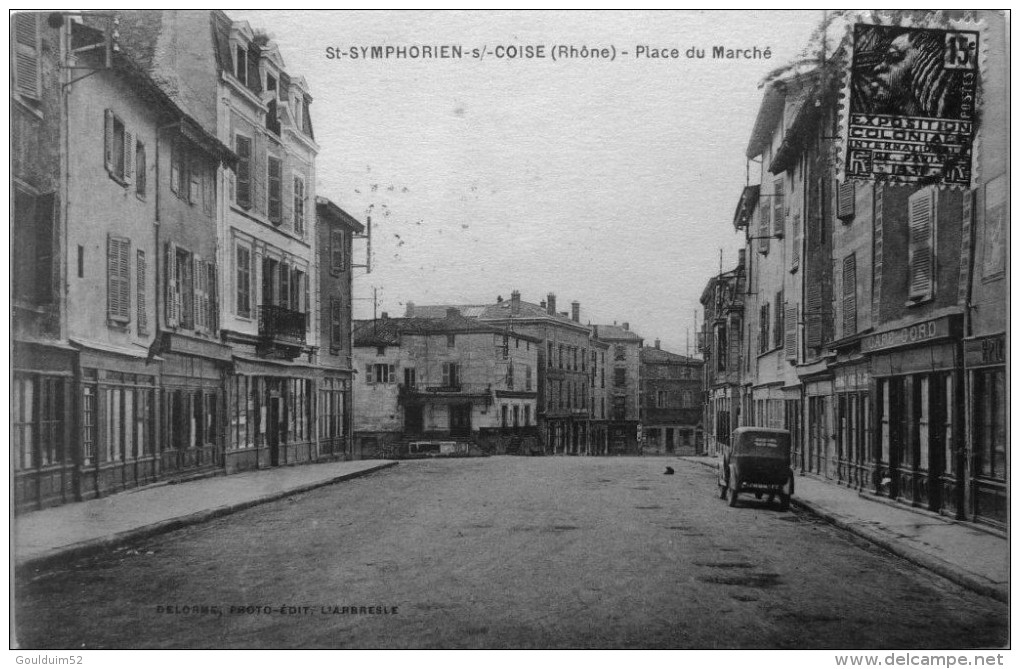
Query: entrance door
{"type": "Point", "coordinates": [460, 420]}
{"type": "Point", "coordinates": [274, 431]}
{"type": "Point", "coordinates": [413, 421]}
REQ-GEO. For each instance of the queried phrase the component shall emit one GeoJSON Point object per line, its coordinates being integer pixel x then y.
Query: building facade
{"type": "Point", "coordinates": [335, 230]}
{"type": "Point", "coordinates": [875, 321]}
{"type": "Point", "coordinates": [451, 379]}
{"type": "Point", "coordinates": [721, 344]}
{"type": "Point", "coordinates": [624, 387]}
{"type": "Point", "coordinates": [670, 402]}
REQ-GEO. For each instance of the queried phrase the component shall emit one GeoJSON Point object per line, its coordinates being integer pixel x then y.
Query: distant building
{"type": "Point", "coordinates": [567, 419]}
{"type": "Point", "coordinates": [720, 344]}
{"type": "Point", "coordinates": [671, 388]}
{"type": "Point", "coordinates": [452, 379]}
{"type": "Point", "coordinates": [335, 231]}
{"type": "Point", "coordinates": [624, 388]}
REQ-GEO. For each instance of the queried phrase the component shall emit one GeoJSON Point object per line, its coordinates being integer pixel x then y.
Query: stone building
{"type": "Point", "coordinates": [721, 344]}
{"type": "Point", "coordinates": [624, 393]}
{"type": "Point", "coordinates": [449, 379]}
{"type": "Point", "coordinates": [335, 230]}
{"type": "Point", "coordinates": [565, 411]}
{"type": "Point", "coordinates": [671, 388]}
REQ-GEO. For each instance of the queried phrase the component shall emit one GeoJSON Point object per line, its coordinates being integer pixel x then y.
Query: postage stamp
{"type": "Point", "coordinates": [912, 94]}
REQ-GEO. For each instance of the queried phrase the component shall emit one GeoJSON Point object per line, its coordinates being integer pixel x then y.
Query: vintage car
{"type": "Point", "coordinates": [757, 460]}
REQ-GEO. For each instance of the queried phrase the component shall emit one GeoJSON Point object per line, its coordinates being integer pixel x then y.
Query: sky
{"type": "Point", "coordinates": [612, 183]}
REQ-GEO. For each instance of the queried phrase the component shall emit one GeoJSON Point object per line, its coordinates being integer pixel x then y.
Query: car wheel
{"type": "Point", "coordinates": [731, 493]}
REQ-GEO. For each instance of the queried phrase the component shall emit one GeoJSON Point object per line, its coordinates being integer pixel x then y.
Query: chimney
{"type": "Point", "coordinates": [385, 315]}
{"type": "Point", "coordinates": [550, 304]}
{"type": "Point", "coordinates": [657, 345]}
{"type": "Point", "coordinates": [515, 302]}
{"type": "Point", "coordinates": [410, 310]}
{"type": "Point", "coordinates": [575, 311]}
{"type": "Point", "coordinates": [626, 325]}
{"type": "Point", "coordinates": [741, 257]}
{"type": "Point", "coordinates": [452, 312]}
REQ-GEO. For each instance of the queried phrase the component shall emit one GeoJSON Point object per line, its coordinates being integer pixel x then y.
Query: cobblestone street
{"type": "Point", "coordinates": [506, 552]}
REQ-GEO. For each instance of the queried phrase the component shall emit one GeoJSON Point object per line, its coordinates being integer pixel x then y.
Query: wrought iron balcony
{"type": "Point", "coordinates": [277, 322]}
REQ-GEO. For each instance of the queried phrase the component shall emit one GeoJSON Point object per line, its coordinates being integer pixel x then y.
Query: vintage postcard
{"type": "Point", "coordinates": [356, 330]}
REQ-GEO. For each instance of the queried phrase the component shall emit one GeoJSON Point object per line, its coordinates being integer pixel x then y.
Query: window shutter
{"type": "Point", "coordinates": [244, 157]}
{"type": "Point", "coordinates": [112, 283]}
{"type": "Point", "coordinates": [334, 323]}
{"type": "Point", "coordinates": [108, 149]}
{"type": "Point", "coordinates": [850, 295]}
{"type": "Point", "coordinates": [795, 233]}
{"type": "Point", "coordinates": [446, 374]}
{"type": "Point", "coordinates": [285, 287]}
{"type": "Point", "coordinates": [777, 327]}
{"type": "Point", "coordinates": [118, 279]}
{"type": "Point", "coordinates": [197, 292]}
{"type": "Point", "coordinates": [195, 173]}
{"type": "Point", "coordinates": [368, 373]}
{"type": "Point", "coordinates": [213, 294]}
{"type": "Point", "coordinates": [274, 171]}
{"type": "Point", "coordinates": [779, 212]}
{"type": "Point", "coordinates": [764, 224]}
{"type": "Point", "coordinates": [129, 157]}
{"type": "Point", "coordinates": [921, 215]}
{"type": "Point", "coordinates": [308, 303]}
{"type": "Point", "coordinates": [845, 200]}
{"type": "Point", "coordinates": [790, 343]}
{"type": "Point", "coordinates": [813, 315]}
{"type": "Point", "coordinates": [143, 317]}
{"type": "Point", "coordinates": [26, 67]}
{"type": "Point", "coordinates": [258, 174]}
{"type": "Point", "coordinates": [392, 374]}
{"type": "Point", "coordinates": [173, 309]}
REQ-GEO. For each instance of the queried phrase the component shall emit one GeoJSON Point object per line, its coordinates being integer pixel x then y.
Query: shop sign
{"type": "Point", "coordinates": [855, 378]}
{"type": "Point", "coordinates": [985, 351]}
{"type": "Point", "coordinates": [905, 336]}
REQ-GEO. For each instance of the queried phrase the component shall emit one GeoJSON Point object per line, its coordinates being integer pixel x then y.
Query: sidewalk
{"type": "Point", "coordinates": [41, 538]}
{"type": "Point", "coordinates": [967, 556]}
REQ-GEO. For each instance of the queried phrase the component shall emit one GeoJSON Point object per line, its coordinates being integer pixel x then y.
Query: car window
{"type": "Point", "coordinates": [766, 442]}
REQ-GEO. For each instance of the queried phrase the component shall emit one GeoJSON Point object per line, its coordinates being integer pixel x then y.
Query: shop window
{"type": "Point", "coordinates": [990, 423]}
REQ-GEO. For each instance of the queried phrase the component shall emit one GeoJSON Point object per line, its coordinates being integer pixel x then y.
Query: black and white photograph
{"type": "Point", "coordinates": [358, 330]}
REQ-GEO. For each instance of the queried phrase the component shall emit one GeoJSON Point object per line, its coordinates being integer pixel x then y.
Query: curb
{"type": "Point", "coordinates": [82, 549]}
{"type": "Point", "coordinates": [944, 569]}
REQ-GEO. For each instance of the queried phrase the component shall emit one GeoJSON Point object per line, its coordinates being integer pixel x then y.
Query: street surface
{"type": "Point", "coordinates": [504, 552]}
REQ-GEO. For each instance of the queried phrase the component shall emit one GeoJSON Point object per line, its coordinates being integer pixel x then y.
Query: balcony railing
{"type": "Point", "coordinates": [282, 323]}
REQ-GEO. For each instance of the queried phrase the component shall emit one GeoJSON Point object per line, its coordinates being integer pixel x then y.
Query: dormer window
{"type": "Point", "coordinates": [298, 117]}
{"type": "Point", "coordinates": [241, 64]}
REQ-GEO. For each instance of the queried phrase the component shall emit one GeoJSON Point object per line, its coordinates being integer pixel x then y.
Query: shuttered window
{"type": "Point", "coordinates": [173, 296]}
{"type": "Point", "coordinates": [27, 71]}
{"type": "Point", "coordinates": [118, 279]}
{"type": "Point", "coordinates": [299, 204]}
{"type": "Point", "coordinates": [337, 251]}
{"type": "Point", "coordinates": [778, 209]}
{"type": "Point", "coordinates": [140, 175]}
{"type": "Point", "coordinates": [921, 216]}
{"type": "Point", "coordinates": [119, 149]}
{"type": "Point", "coordinates": [243, 278]}
{"type": "Point", "coordinates": [242, 145]}
{"type": "Point", "coordinates": [850, 295]}
{"type": "Point", "coordinates": [813, 314]}
{"type": "Point", "coordinates": [764, 225]}
{"type": "Point", "coordinates": [795, 233]}
{"type": "Point", "coordinates": [845, 201]}
{"type": "Point", "coordinates": [778, 329]}
{"type": "Point", "coordinates": [140, 287]}
{"type": "Point", "coordinates": [275, 176]}
{"type": "Point", "coordinates": [335, 324]}
{"type": "Point", "coordinates": [790, 344]}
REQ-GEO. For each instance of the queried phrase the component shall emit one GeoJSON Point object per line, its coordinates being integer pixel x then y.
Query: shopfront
{"type": "Point", "coordinates": [917, 383]}
{"type": "Point", "coordinates": [851, 384]}
{"type": "Point", "coordinates": [988, 498]}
